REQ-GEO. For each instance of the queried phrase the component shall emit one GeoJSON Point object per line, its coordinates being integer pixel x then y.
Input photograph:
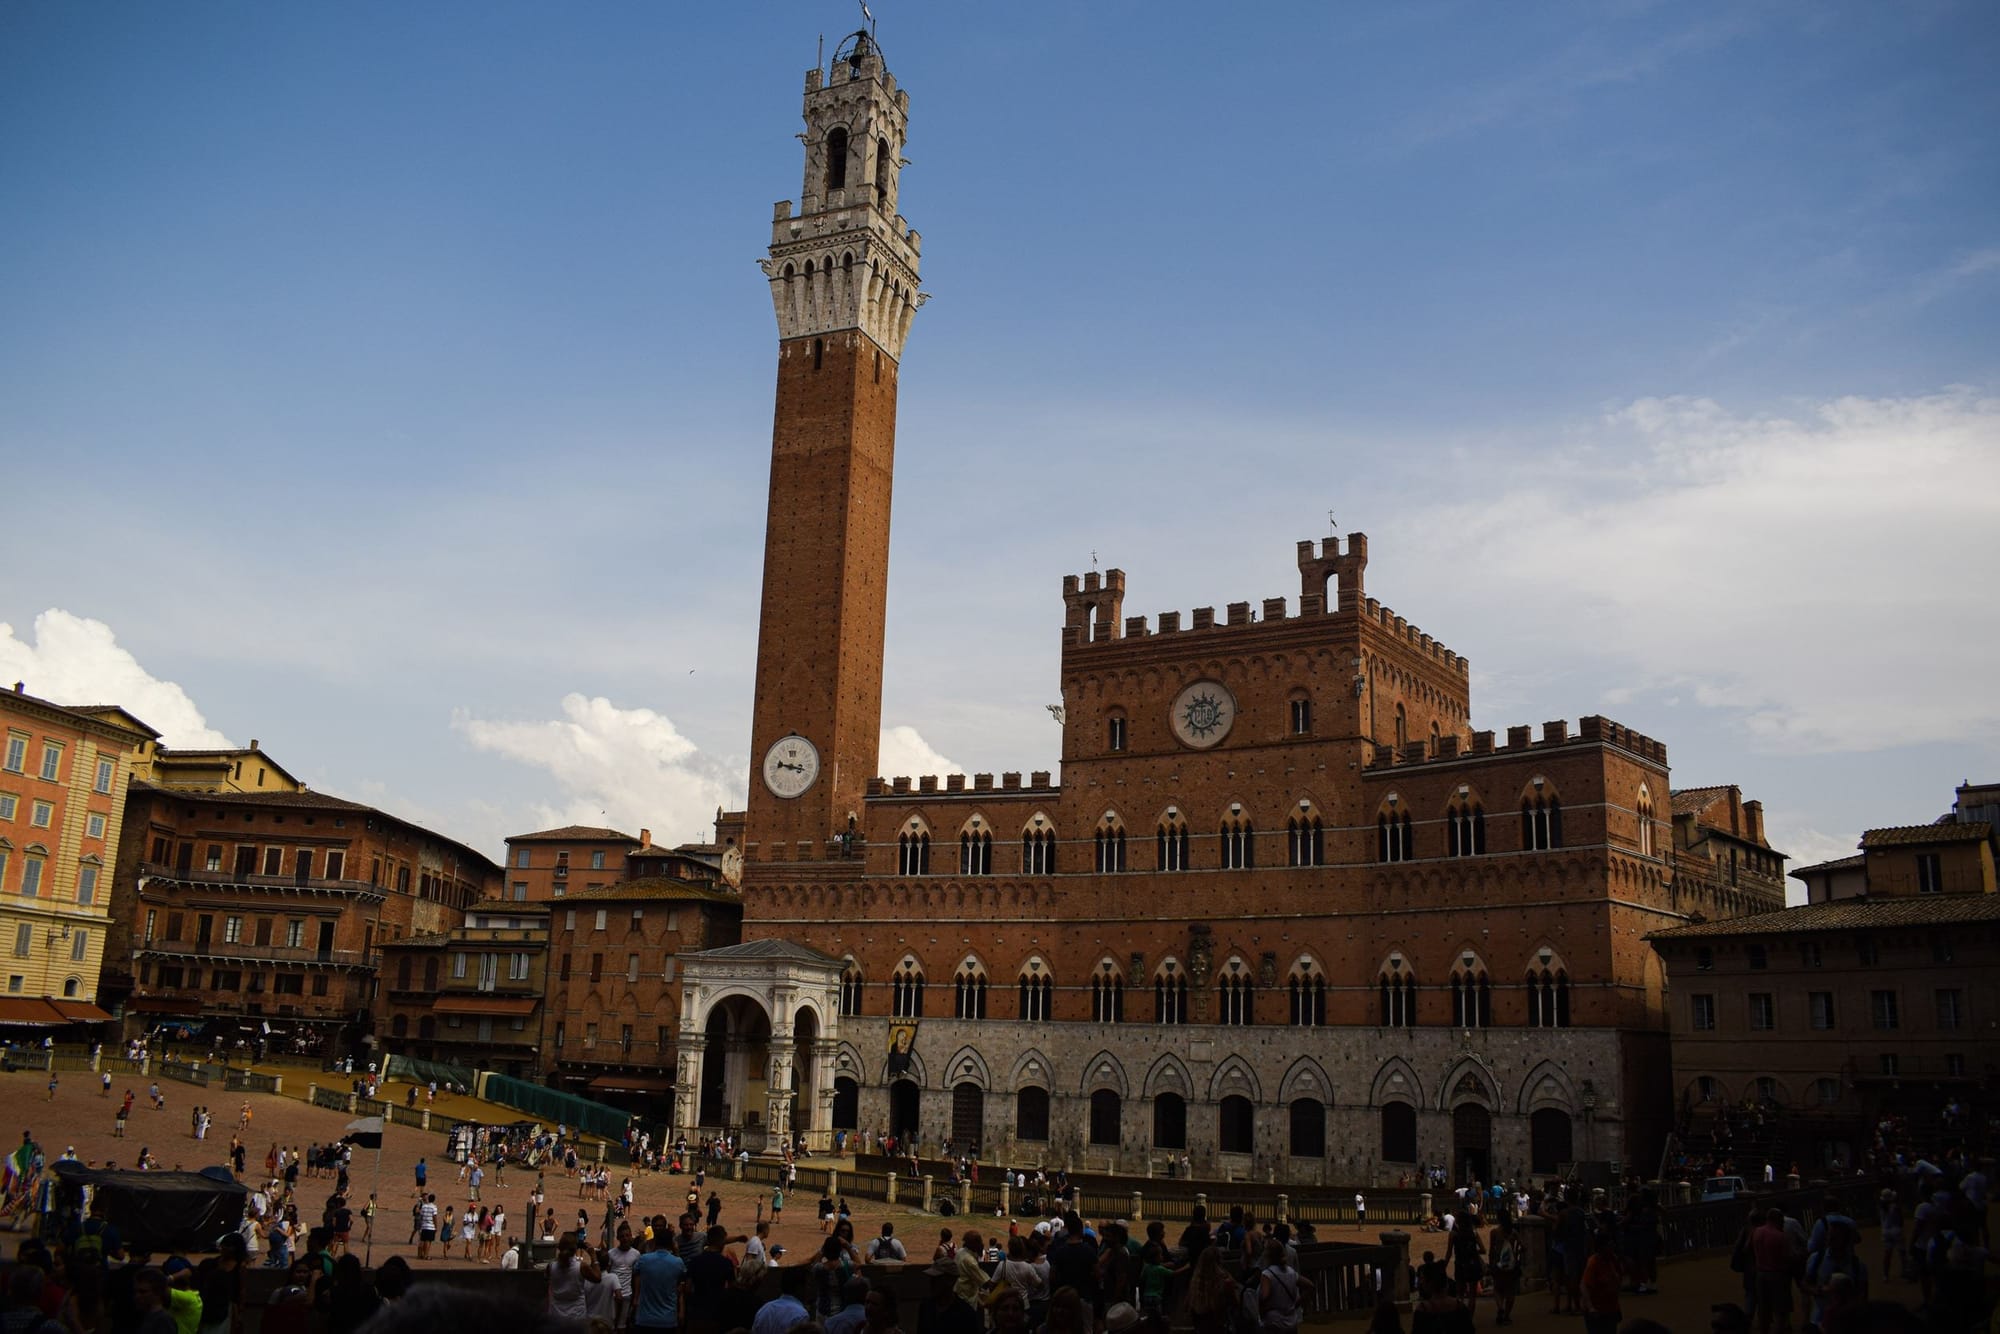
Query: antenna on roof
{"type": "Point", "coordinates": [1331, 526]}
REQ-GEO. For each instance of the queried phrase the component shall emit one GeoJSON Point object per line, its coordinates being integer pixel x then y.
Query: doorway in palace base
{"type": "Point", "coordinates": [904, 1104]}
{"type": "Point", "coordinates": [1472, 1142]}
{"type": "Point", "coordinates": [735, 1072]}
{"type": "Point", "coordinates": [1550, 1140]}
{"type": "Point", "coordinates": [846, 1103]}
{"type": "Point", "coordinates": [968, 1117]}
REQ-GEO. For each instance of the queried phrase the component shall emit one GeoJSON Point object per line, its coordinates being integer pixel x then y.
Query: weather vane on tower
{"type": "Point", "coordinates": [868, 17]}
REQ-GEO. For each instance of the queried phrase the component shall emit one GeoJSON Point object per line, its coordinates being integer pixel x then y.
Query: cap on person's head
{"type": "Point", "coordinates": [1119, 1316]}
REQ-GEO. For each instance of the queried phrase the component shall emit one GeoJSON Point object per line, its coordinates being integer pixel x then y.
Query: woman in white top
{"type": "Point", "coordinates": [568, 1273]}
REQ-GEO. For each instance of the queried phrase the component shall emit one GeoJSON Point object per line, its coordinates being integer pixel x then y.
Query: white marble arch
{"type": "Point", "coordinates": [967, 1066]}
{"type": "Point", "coordinates": [1032, 1069]}
{"type": "Point", "coordinates": [1102, 1071]}
{"type": "Point", "coordinates": [1396, 1081]}
{"type": "Point", "coordinates": [1547, 1085]}
{"type": "Point", "coordinates": [1306, 1078]}
{"type": "Point", "coordinates": [1234, 1076]}
{"type": "Point", "coordinates": [1169, 1075]}
{"type": "Point", "coordinates": [1451, 1094]}
{"type": "Point", "coordinates": [784, 981]}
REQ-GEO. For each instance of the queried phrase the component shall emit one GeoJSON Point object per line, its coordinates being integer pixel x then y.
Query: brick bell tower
{"type": "Point", "coordinates": [843, 274]}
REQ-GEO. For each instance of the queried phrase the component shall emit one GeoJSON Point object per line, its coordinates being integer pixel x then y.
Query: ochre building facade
{"type": "Point", "coordinates": [1287, 910]}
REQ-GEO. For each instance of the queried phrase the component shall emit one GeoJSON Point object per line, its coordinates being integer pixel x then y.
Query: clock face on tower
{"type": "Point", "coordinates": [791, 765]}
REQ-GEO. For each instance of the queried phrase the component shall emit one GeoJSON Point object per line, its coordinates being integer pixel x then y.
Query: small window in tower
{"type": "Point", "coordinates": [819, 353]}
{"type": "Point", "coordinates": [878, 365]}
{"type": "Point", "coordinates": [836, 160]}
{"type": "Point", "coordinates": [882, 173]}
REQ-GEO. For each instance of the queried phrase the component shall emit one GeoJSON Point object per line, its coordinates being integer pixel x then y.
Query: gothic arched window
{"type": "Point", "coordinates": [1465, 827]}
{"type": "Point", "coordinates": [1239, 844]}
{"type": "Point", "coordinates": [1541, 818]}
{"type": "Point", "coordinates": [1038, 994]}
{"type": "Point", "coordinates": [1305, 841]}
{"type": "Point", "coordinates": [906, 993]}
{"type": "Point", "coordinates": [1171, 852]}
{"type": "Point", "coordinates": [969, 988]}
{"type": "Point", "coordinates": [836, 159]}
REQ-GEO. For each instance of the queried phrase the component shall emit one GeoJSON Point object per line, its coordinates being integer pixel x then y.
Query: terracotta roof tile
{"type": "Point", "coordinates": [651, 887]}
{"type": "Point", "coordinates": [1970, 832]}
{"type": "Point", "coordinates": [1692, 800]}
{"type": "Point", "coordinates": [1854, 863]}
{"type": "Point", "coordinates": [574, 833]}
{"type": "Point", "coordinates": [1848, 915]}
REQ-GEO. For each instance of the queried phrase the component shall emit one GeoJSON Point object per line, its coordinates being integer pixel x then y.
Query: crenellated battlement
{"type": "Point", "coordinates": [1092, 607]}
{"type": "Point", "coordinates": [952, 785]}
{"type": "Point", "coordinates": [1591, 730]}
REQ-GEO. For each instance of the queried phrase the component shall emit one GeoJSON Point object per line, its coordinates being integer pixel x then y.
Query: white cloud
{"type": "Point", "coordinates": [905, 753]}
{"type": "Point", "coordinates": [633, 769]}
{"type": "Point", "coordinates": [1822, 579]}
{"type": "Point", "coordinates": [76, 660]}
{"type": "Point", "coordinates": [627, 768]}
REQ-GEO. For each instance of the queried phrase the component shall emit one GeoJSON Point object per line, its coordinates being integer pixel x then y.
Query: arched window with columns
{"type": "Point", "coordinates": [1541, 817]}
{"type": "Point", "coordinates": [1305, 839]}
{"type": "Point", "coordinates": [1170, 994]}
{"type": "Point", "coordinates": [1170, 840]}
{"type": "Point", "coordinates": [975, 850]}
{"type": "Point", "coordinates": [906, 991]}
{"type": "Point", "coordinates": [1236, 995]}
{"type": "Point", "coordinates": [969, 990]}
{"type": "Point", "coordinates": [913, 849]}
{"type": "Point", "coordinates": [1109, 839]}
{"type": "Point", "coordinates": [1393, 836]}
{"type": "Point", "coordinates": [1465, 825]}
{"type": "Point", "coordinates": [1038, 847]}
{"type": "Point", "coordinates": [850, 988]}
{"type": "Point", "coordinates": [1239, 841]}
{"type": "Point", "coordinates": [1643, 809]}
{"type": "Point", "coordinates": [1308, 991]}
{"type": "Point", "coordinates": [1397, 984]}
{"type": "Point", "coordinates": [1471, 993]}
{"type": "Point", "coordinates": [1107, 994]}
{"type": "Point", "coordinates": [1038, 993]}
{"type": "Point", "coordinates": [1548, 990]}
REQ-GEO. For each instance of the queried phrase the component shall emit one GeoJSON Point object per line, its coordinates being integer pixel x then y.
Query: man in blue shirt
{"type": "Point", "coordinates": [659, 1282]}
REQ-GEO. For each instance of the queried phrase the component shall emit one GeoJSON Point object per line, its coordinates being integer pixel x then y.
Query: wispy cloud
{"type": "Point", "coordinates": [1818, 578]}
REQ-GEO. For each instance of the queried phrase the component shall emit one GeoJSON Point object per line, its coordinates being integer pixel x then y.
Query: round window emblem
{"type": "Point", "coordinates": [1202, 714]}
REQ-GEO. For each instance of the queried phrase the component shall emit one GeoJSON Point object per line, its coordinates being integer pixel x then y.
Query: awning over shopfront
{"type": "Point", "coordinates": [630, 1084]}
{"type": "Point", "coordinates": [41, 1012]}
{"type": "Point", "coordinates": [512, 1007]}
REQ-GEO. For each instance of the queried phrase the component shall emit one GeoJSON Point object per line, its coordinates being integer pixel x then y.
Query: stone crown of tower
{"type": "Point", "coordinates": [846, 259]}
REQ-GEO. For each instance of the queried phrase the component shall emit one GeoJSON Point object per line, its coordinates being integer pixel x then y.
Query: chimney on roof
{"type": "Point", "coordinates": [645, 838]}
{"type": "Point", "coordinates": [21, 688]}
{"type": "Point", "coordinates": [253, 743]}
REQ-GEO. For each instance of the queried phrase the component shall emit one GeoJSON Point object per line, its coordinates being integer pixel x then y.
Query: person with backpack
{"type": "Point", "coordinates": [886, 1246]}
{"type": "Point", "coordinates": [1278, 1307]}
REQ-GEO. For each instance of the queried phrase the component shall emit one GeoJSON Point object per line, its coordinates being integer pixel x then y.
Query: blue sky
{"type": "Point", "coordinates": [384, 376]}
